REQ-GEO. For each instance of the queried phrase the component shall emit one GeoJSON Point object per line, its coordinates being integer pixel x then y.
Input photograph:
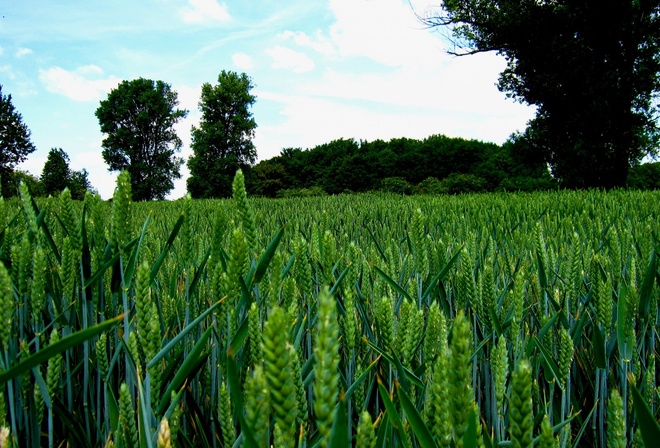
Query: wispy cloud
{"type": "Point", "coordinates": [386, 31]}
{"type": "Point", "coordinates": [242, 61]}
{"type": "Point", "coordinates": [319, 43]}
{"type": "Point", "coordinates": [287, 58]}
{"type": "Point", "coordinates": [76, 84]}
{"type": "Point", "coordinates": [23, 52]}
{"type": "Point", "coordinates": [205, 11]}
{"type": "Point", "coordinates": [8, 71]}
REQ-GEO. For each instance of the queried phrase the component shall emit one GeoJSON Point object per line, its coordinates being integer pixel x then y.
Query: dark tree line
{"type": "Point", "coordinates": [590, 67]}
{"type": "Point", "coordinates": [438, 163]}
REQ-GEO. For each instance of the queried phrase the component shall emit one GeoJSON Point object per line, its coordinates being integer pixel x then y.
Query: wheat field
{"type": "Point", "coordinates": [366, 320]}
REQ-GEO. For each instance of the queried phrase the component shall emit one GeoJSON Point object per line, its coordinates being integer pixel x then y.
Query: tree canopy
{"type": "Point", "coordinates": [56, 172]}
{"type": "Point", "coordinates": [223, 141]}
{"type": "Point", "coordinates": [15, 143]}
{"type": "Point", "coordinates": [57, 175]}
{"type": "Point", "coordinates": [590, 67]}
{"type": "Point", "coordinates": [138, 118]}
{"type": "Point", "coordinates": [437, 164]}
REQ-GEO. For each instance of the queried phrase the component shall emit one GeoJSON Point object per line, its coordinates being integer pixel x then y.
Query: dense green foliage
{"type": "Point", "coordinates": [56, 176]}
{"type": "Point", "coordinates": [645, 177]}
{"type": "Point", "coordinates": [457, 165]}
{"type": "Point", "coordinates": [417, 321]}
{"type": "Point", "coordinates": [15, 144]}
{"type": "Point", "coordinates": [591, 68]}
{"type": "Point", "coordinates": [56, 171]}
{"type": "Point", "coordinates": [138, 119]}
{"type": "Point", "coordinates": [223, 141]}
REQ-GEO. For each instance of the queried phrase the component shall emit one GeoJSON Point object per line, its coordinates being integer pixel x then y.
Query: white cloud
{"type": "Point", "coordinates": [91, 159]}
{"type": "Point", "coordinates": [289, 59]}
{"type": "Point", "coordinates": [188, 96]}
{"type": "Point", "coordinates": [242, 61]}
{"type": "Point", "coordinates": [308, 121]}
{"type": "Point", "coordinates": [23, 52]}
{"type": "Point", "coordinates": [320, 43]}
{"type": "Point", "coordinates": [386, 31]}
{"type": "Point", "coordinates": [75, 84]}
{"type": "Point", "coordinates": [418, 91]}
{"type": "Point", "coordinates": [6, 69]}
{"type": "Point", "coordinates": [205, 11]}
{"type": "Point", "coordinates": [89, 70]}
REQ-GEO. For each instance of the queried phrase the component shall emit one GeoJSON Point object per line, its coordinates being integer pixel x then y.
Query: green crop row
{"type": "Point", "coordinates": [353, 320]}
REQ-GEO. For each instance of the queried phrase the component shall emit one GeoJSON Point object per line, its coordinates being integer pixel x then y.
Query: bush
{"type": "Point", "coordinates": [396, 185]}
{"type": "Point", "coordinates": [645, 177]}
{"type": "Point", "coordinates": [301, 192]}
{"type": "Point", "coordinates": [430, 185]}
{"type": "Point", "coordinates": [457, 183]}
{"type": "Point", "coordinates": [524, 183]}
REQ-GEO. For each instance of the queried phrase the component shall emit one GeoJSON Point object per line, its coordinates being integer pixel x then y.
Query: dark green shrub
{"type": "Point", "coordinates": [396, 185]}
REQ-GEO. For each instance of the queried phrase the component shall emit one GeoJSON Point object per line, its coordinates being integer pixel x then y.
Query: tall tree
{"type": "Point", "coordinates": [138, 119]}
{"type": "Point", "coordinates": [223, 141]}
{"type": "Point", "coordinates": [79, 184]}
{"type": "Point", "coordinates": [56, 172]}
{"type": "Point", "coordinates": [15, 144]}
{"type": "Point", "coordinates": [590, 67]}
{"type": "Point", "coordinates": [57, 175]}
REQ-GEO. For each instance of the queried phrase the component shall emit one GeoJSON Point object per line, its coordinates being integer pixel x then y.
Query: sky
{"type": "Point", "coordinates": [322, 70]}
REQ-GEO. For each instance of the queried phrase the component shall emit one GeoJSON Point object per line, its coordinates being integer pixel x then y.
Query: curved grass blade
{"type": "Point", "coordinates": [339, 430]}
{"type": "Point", "coordinates": [44, 228]}
{"type": "Point", "coordinates": [132, 260]}
{"type": "Point", "coordinates": [393, 284]}
{"type": "Point", "coordinates": [647, 287]}
{"type": "Point", "coordinates": [239, 337]}
{"type": "Point", "coordinates": [624, 341]}
{"type": "Point", "coordinates": [416, 423]}
{"type": "Point", "coordinates": [587, 421]}
{"type": "Point", "coordinates": [60, 346]}
{"type": "Point", "coordinates": [165, 350]}
{"type": "Point", "coordinates": [189, 366]}
{"type": "Point", "coordinates": [168, 246]}
{"type": "Point", "coordinates": [237, 398]}
{"type": "Point", "coordinates": [598, 342]}
{"type": "Point", "coordinates": [378, 246]}
{"type": "Point", "coordinates": [91, 280]}
{"type": "Point", "coordinates": [549, 361]}
{"type": "Point", "coordinates": [404, 373]}
{"type": "Point", "coordinates": [470, 436]}
{"type": "Point", "coordinates": [143, 417]}
{"type": "Point", "coordinates": [359, 380]}
{"type": "Point", "coordinates": [548, 325]}
{"type": "Point", "coordinates": [442, 274]}
{"type": "Point", "coordinates": [335, 286]}
{"type": "Point", "coordinates": [392, 414]}
{"type": "Point", "coordinates": [647, 423]}
{"type": "Point", "coordinates": [264, 261]}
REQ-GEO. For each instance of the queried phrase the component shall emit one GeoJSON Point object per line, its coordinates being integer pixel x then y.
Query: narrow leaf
{"type": "Point", "coordinates": [60, 346]}
{"type": "Point", "coordinates": [442, 274]}
{"type": "Point", "coordinates": [416, 423]}
{"type": "Point", "coordinates": [392, 414]}
{"type": "Point", "coordinates": [647, 423]}
{"type": "Point", "coordinates": [392, 283]}
{"type": "Point", "coordinates": [165, 350]}
{"type": "Point", "coordinates": [339, 430]}
{"type": "Point", "coordinates": [624, 341]}
{"type": "Point", "coordinates": [189, 366]}
{"type": "Point", "coordinates": [168, 246]}
{"type": "Point", "coordinates": [264, 261]}
{"type": "Point", "coordinates": [647, 287]}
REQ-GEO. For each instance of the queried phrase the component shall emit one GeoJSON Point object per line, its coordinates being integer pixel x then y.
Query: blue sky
{"type": "Point", "coordinates": [323, 69]}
